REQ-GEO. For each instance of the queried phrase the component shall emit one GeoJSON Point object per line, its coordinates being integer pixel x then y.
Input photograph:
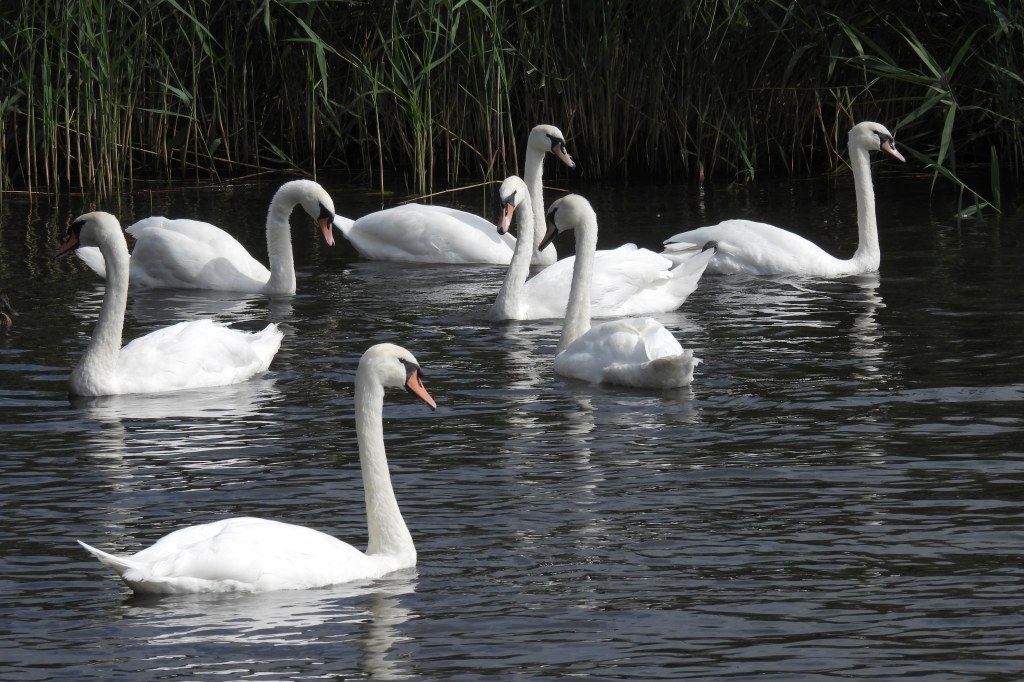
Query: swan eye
{"type": "Point", "coordinates": [410, 367]}
{"type": "Point", "coordinates": [326, 213]}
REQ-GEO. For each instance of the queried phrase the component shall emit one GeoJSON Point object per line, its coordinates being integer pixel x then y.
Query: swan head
{"type": "Point", "coordinates": [315, 201]}
{"type": "Point", "coordinates": [874, 136]}
{"type": "Point", "coordinates": [395, 367]}
{"type": "Point", "coordinates": [547, 138]}
{"type": "Point", "coordinates": [571, 212]}
{"type": "Point", "coordinates": [91, 229]}
{"type": "Point", "coordinates": [512, 192]}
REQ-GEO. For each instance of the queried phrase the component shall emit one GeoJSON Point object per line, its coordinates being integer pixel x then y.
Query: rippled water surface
{"type": "Point", "coordinates": [837, 496]}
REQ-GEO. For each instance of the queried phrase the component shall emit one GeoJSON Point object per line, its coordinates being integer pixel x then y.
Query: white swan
{"type": "Point", "coordinates": [258, 555]}
{"type": "Point", "coordinates": [189, 254]}
{"type": "Point", "coordinates": [638, 352]}
{"type": "Point", "coordinates": [421, 233]}
{"type": "Point", "coordinates": [747, 247]}
{"type": "Point", "coordinates": [626, 280]}
{"type": "Point", "coordinates": [193, 354]}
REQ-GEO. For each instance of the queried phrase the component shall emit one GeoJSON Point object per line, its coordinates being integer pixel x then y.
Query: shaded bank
{"type": "Point", "coordinates": [438, 91]}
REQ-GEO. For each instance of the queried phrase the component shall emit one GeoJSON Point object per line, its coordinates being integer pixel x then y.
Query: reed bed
{"type": "Point", "coordinates": [433, 93]}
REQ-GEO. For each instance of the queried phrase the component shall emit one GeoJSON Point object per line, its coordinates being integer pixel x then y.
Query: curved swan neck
{"type": "Point", "coordinates": [279, 243]}
{"type": "Point", "coordinates": [506, 305]}
{"type": "Point", "coordinates": [100, 358]}
{"type": "Point", "coordinates": [868, 251]}
{"type": "Point", "coordinates": [577, 312]}
{"type": "Point", "coordinates": [534, 179]}
{"type": "Point", "coordinates": [386, 529]}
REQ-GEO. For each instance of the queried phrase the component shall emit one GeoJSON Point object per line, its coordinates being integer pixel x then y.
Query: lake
{"type": "Point", "coordinates": [839, 494]}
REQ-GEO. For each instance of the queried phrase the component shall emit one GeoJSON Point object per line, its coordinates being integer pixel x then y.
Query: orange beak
{"type": "Point", "coordinates": [327, 229]}
{"type": "Point", "coordinates": [505, 223]}
{"type": "Point", "coordinates": [68, 246]}
{"type": "Point", "coordinates": [558, 150]}
{"type": "Point", "coordinates": [890, 149]}
{"type": "Point", "coordinates": [414, 385]}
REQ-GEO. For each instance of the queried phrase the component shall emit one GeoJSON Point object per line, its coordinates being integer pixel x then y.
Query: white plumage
{"type": "Point", "coordinates": [626, 280]}
{"type": "Point", "coordinates": [748, 247]}
{"type": "Point", "coordinates": [635, 352]}
{"type": "Point", "coordinates": [258, 555]}
{"type": "Point", "coordinates": [422, 233]}
{"type": "Point", "coordinates": [186, 355]}
{"type": "Point", "coordinates": [190, 254]}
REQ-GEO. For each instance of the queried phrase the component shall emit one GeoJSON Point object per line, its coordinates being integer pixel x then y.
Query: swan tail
{"type": "Point", "coordinates": [266, 343]}
{"type": "Point", "coordinates": [344, 225]}
{"type": "Point", "coordinates": [670, 371]}
{"type": "Point", "coordinates": [676, 370]}
{"type": "Point", "coordinates": [121, 565]}
{"type": "Point", "coordinates": [91, 256]}
{"type": "Point", "coordinates": [689, 268]}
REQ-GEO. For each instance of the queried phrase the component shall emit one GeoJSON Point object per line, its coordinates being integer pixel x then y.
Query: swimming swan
{"type": "Point", "coordinates": [747, 247]}
{"type": "Point", "coordinates": [626, 280]}
{"type": "Point", "coordinates": [421, 233]}
{"type": "Point", "coordinates": [637, 352]}
{"type": "Point", "coordinates": [193, 354]}
{"type": "Point", "coordinates": [257, 555]}
{"type": "Point", "coordinates": [189, 254]}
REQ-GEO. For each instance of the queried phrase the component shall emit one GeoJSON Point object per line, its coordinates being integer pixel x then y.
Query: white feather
{"type": "Point", "coordinates": [748, 247]}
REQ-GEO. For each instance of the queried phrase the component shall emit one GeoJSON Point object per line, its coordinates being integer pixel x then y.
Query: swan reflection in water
{"type": "Point", "coordinates": [162, 306]}
{"type": "Point", "coordinates": [364, 616]}
{"type": "Point", "coordinates": [773, 315]}
{"type": "Point", "coordinates": [176, 422]}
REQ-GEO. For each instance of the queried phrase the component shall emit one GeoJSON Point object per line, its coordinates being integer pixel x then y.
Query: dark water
{"type": "Point", "coordinates": [838, 495]}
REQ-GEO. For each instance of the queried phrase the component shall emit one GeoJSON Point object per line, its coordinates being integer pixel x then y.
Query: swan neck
{"type": "Point", "coordinates": [386, 529]}
{"type": "Point", "coordinates": [868, 252]}
{"type": "Point", "coordinates": [100, 358]}
{"type": "Point", "coordinates": [279, 245]}
{"type": "Point", "coordinates": [534, 179]}
{"type": "Point", "coordinates": [506, 305]}
{"type": "Point", "coordinates": [577, 312]}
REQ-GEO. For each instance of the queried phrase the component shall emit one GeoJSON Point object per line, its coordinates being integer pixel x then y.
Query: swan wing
{"type": "Point", "coordinates": [748, 247]}
{"type": "Point", "coordinates": [633, 352]}
{"type": "Point", "coordinates": [194, 354]}
{"type": "Point", "coordinates": [91, 256]}
{"type": "Point", "coordinates": [631, 281]}
{"type": "Point", "coordinates": [191, 254]}
{"type": "Point", "coordinates": [626, 281]}
{"type": "Point", "coordinates": [546, 294]}
{"type": "Point", "coordinates": [429, 234]}
{"type": "Point", "coordinates": [240, 554]}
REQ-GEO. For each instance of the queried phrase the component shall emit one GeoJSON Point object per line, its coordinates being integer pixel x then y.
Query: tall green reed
{"type": "Point", "coordinates": [437, 92]}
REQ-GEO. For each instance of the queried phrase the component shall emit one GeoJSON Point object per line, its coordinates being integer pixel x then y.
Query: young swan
{"type": "Point", "coordinates": [188, 254]}
{"type": "Point", "coordinates": [638, 352]}
{"type": "Point", "coordinates": [748, 247]}
{"type": "Point", "coordinates": [194, 354]}
{"type": "Point", "coordinates": [256, 555]}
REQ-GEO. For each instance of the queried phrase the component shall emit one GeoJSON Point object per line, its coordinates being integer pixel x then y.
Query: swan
{"type": "Point", "coordinates": [189, 254]}
{"type": "Point", "coordinates": [193, 354]}
{"type": "Point", "coordinates": [747, 247]}
{"type": "Point", "coordinates": [421, 233]}
{"type": "Point", "coordinates": [634, 352]}
{"type": "Point", "coordinates": [626, 280]}
{"type": "Point", "coordinates": [258, 555]}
